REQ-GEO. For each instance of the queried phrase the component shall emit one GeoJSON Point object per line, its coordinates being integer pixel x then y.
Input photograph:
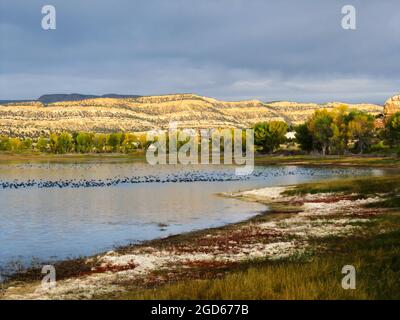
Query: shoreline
{"type": "Point", "coordinates": [288, 230]}
{"type": "Point", "coordinates": [372, 160]}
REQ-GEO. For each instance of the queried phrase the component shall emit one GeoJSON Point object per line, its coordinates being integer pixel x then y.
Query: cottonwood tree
{"type": "Point", "coordinates": [321, 127]}
{"type": "Point", "coordinates": [269, 135]}
{"type": "Point", "coordinates": [361, 129]}
{"type": "Point", "coordinates": [392, 130]}
{"type": "Point", "coordinates": [304, 137]}
{"type": "Point", "coordinates": [64, 143]}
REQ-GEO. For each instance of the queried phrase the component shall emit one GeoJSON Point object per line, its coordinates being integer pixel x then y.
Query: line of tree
{"type": "Point", "coordinates": [87, 142]}
{"type": "Point", "coordinates": [79, 142]}
{"type": "Point", "coordinates": [339, 131]}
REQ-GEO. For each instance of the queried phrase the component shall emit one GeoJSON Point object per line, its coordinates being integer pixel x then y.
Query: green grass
{"type": "Point", "coordinates": [363, 186]}
{"type": "Point", "coordinates": [377, 263]}
{"type": "Point", "coordinates": [391, 202]}
{"type": "Point", "coordinates": [354, 160]}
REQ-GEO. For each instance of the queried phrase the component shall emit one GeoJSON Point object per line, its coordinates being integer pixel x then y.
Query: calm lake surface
{"type": "Point", "coordinates": [57, 211]}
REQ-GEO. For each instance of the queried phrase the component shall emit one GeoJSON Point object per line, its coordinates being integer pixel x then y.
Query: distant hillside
{"type": "Point", "coordinates": [2, 102]}
{"type": "Point", "coordinates": [50, 98]}
{"type": "Point", "coordinates": [107, 114]}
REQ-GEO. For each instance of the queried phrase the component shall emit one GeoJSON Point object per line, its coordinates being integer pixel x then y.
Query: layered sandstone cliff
{"type": "Point", "coordinates": [152, 112]}
{"type": "Point", "coordinates": [392, 106]}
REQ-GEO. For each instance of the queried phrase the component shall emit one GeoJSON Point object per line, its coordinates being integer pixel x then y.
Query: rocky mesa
{"type": "Point", "coordinates": [392, 106]}
{"type": "Point", "coordinates": [107, 114]}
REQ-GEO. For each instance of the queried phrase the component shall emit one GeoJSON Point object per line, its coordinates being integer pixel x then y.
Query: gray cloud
{"type": "Point", "coordinates": [229, 49]}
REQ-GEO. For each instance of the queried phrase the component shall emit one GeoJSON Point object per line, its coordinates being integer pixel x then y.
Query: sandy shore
{"type": "Point", "coordinates": [283, 232]}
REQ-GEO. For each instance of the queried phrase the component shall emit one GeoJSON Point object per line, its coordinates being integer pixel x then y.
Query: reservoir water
{"type": "Point", "coordinates": [57, 211]}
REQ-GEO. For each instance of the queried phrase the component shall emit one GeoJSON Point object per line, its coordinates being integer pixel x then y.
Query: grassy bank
{"type": "Point", "coordinates": [376, 260]}
{"type": "Point", "coordinates": [364, 186]}
{"type": "Point", "coordinates": [353, 161]}
{"type": "Point", "coordinates": [375, 254]}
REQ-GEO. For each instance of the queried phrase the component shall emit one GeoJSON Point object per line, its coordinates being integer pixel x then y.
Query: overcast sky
{"type": "Point", "coordinates": [227, 49]}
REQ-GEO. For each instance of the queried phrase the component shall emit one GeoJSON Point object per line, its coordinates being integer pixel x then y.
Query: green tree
{"type": "Point", "coordinates": [269, 135]}
{"type": "Point", "coordinates": [304, 137]}
{"type": "Point", "coordinates": [74, 135]}
{"type": "Point", "coordinates": [129, 143]}
{"type": "Point", "coordinates": [5, 143]}
{"type": "Point", "coordinates": [64, 143]}
{"type": "Point", "coordinates": [142, 139]}
{"type": "Point", "coordinates": [321, 127]}
{"type": "Point", "coordinates": [99, 142]}
{"type": "Point", "coordinates": [340, 133]}
{"type": "Point", "coordinates": [84, 142]}
{"type": "Point", "coordinates": [361, 129]}
{"type": "Point", "coordinates": [53, 142]}
{"type": "Point", "coordinates": [42, 144]}
{"type": "Point", "coordinates": [27, 144]}
{"type": "Point", "coordinates": [114, 141]}
{"type": "Point", "coordinates": [15, 144]}
{"type": "Point", "coordinates": [392, 130]}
